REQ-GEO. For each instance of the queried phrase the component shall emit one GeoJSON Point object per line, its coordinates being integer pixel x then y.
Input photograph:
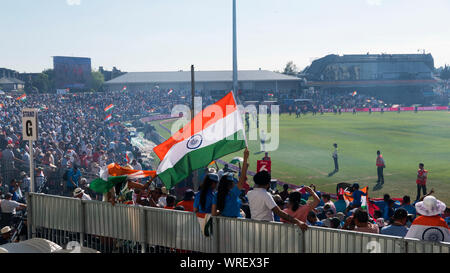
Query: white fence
{"type": "Point", "coordinates": [121, 228]}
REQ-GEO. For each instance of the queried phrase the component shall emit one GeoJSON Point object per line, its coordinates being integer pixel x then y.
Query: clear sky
{"type": "Point", "coordinates": [165, 35]}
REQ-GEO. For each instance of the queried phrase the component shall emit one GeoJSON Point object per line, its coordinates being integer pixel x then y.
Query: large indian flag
{"type": "Point", "coordinates": [216, 131]}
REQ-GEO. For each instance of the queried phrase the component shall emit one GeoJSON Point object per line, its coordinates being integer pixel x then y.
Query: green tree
{"type": "Point", "coordinates": [97, 80]}
{"type": "Point", "coordinates": [41, 82]}
{"type": "Point", "coordinates": [290, 69]}
{"type": "Point", "coordinates": [445, 73]}
{"type": "Point", "coordinates": [51, 79]}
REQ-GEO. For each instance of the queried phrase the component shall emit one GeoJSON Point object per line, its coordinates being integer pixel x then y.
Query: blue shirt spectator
{"type": "Point", "coordinates": [340, 205]}
{"type": "Point", "coordinates": [210, 197]}
{"type": "Point", "coordinates": [232, 203]}
{"type": "Point", "coordinates": [394, 230]}
{"type": "Point", "coordinates": [75, 174]}
{"type": "Point", "coordinates": [357, 197]}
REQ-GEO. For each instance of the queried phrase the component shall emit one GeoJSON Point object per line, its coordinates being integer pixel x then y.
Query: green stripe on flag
{"type": "Point", "coordinates": [101, 186]}
{"type": "Point", "coordinates": [201, 158]}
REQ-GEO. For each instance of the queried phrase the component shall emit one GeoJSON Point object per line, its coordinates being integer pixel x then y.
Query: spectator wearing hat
{"type": "Point", "coordinates": [398, 224]}
{"type": "Point", "coordinates": [188, 201]}
{"type": "Point", "coordinates": [430, 226]}
{"type": "Point", "coordinates": [262, 205]}
{"type": "Point", "coordinates": [6, 235]}
{"type": "Point", "coordinates": [79, 193]}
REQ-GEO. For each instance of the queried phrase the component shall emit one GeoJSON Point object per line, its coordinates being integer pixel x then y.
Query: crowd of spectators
{"type": "Point", "coordinates": [74, 142]}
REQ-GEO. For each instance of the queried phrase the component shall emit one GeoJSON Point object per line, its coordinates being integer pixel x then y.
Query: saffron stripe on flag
{"type": "Point", "coordinates": [203, 120]}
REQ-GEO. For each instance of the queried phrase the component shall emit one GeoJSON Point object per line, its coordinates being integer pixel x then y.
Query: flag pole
{"type": "Point", "coordinates": [195, 182]}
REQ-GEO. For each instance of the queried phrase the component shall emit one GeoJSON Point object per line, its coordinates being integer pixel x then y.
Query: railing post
{"type": "Point", "coordinates": [83, 222]}
{"type": "Point", "coordinates": [301, 242]}
{"type": "Point", "coordinates": [216, 231]}
{"type": "Point", "coordinates": [29, 216]}
{"type": "Point", "coordinates": [143, 216]}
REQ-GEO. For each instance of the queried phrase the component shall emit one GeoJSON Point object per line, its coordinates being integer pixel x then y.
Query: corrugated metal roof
{"type": "Point", "coordinates": [200, 76]}
{"type": "Point", "coordinates": [10, 81]}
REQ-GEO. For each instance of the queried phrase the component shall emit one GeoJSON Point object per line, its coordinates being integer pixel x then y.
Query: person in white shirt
{"type": "Point", "coordinates": [9, 206]}
{"type": "Point", "coordinates": [261, 203]}
{"type": "Point", "coordinates": [79, 193]}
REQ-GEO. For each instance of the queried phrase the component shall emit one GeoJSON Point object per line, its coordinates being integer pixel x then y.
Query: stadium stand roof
{"type": "Point", "coordinates": [5, 80]}
{"type": "Point", "coordinates": [200, 76]}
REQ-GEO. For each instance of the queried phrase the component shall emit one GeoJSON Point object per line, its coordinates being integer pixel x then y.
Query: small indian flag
{"type": "Point", "coordinates": [22, 98]}
{"type": "Point", "coordinates": [108, 117]}
{"type": "Point", "coordinates": [216, 131]}
{"type": "Point", "coordinates": [348, 198]}
{"type": "Point", "coordinates": [170, 92]}
{"type": "Point", "coordinates": [124, 88]}
{"type": "Point", "coordinates": [109, 108]}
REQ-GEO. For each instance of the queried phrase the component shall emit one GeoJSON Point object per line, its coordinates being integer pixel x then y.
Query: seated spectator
{"type": "Point", "coordinates": [398, 224]}
{"type": "Point", "coordinates": [407, 205]}
{"type": "Point", "coordinates": [326, 198]}
{"type": "Point", "coordinates": [298, 211]}
{"type": "Point", "coordinates": [188, 201]}
{"type": "Point", "coordinates": [170, 202]}
{"type": "Point", "coordinates": [312, 219]}
{"type": "Point", "coordinates": [162, 201]}
{"type": "Point", "coordinates": [325, 213]}
{"type": "Point", "coordinates": [285, 193]}
{"type": "Point", "coordinates": [386, 207]}
{"type": "Point", "coordinates": [205, 196]}
{"type": "Point", "coordinates": [335, 223]}
{"type": "Point", "coordinates": [262, 205]}
{"type": "Point", "coordinates": [280, 203]}
{"type": "Point", "coordinates": [340, 204]}
{"type": "Point", "coordinates": [362, 224]}
{"type": "Point", "coordinates": [6, 235]}
{"type": "Point", "coordinates": [79, 194]}
{"type": "Point", "coordinates": [429, 226]}
{"type": "Point", "coordinates": [9, 207]}
{"type": "Point", "coordinates": [377, 214]}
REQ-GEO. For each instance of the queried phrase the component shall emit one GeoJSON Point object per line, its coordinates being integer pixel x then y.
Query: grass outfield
{"type": "Point", "coordinates": [405, 140]}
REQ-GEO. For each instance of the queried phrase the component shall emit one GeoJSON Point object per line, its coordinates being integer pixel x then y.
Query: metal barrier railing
{"type": "Point", "coordinates": [135, 229]}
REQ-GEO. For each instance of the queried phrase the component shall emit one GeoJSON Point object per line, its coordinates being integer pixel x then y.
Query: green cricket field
{"type": "Point", "coordinates": [304, 154]}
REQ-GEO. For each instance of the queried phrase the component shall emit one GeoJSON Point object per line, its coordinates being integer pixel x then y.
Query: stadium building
{"type": "Point", "coordinates": [253, 84]}
{"type": "Point", "coordinates": [396, 78]}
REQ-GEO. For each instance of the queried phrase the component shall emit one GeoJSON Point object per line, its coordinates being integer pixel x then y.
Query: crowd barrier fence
{"type": "Point", "coordinates": [135, 229]}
